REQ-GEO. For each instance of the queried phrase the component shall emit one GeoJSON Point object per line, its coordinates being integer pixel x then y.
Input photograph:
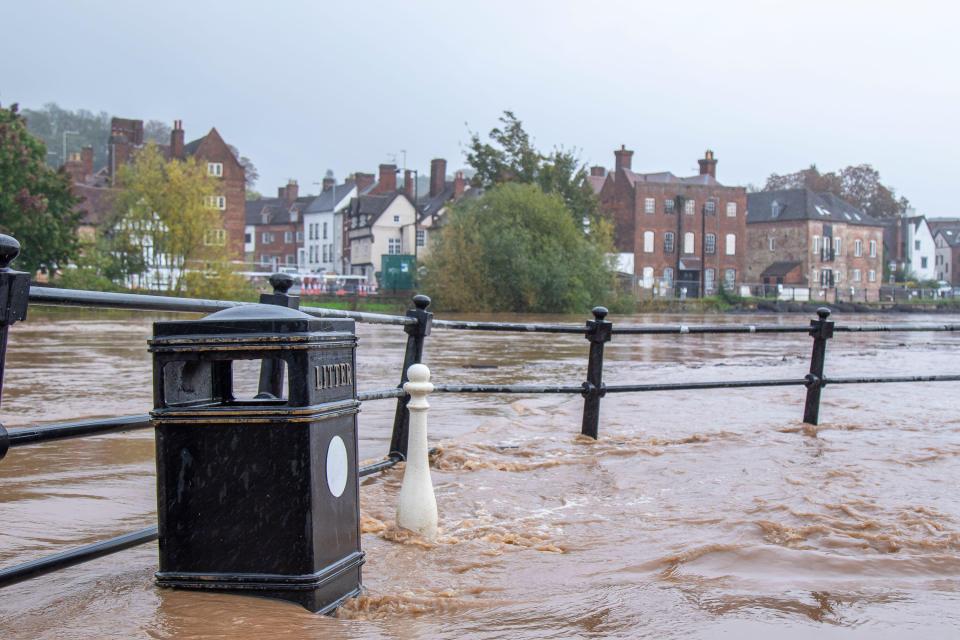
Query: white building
{"type": "Point", "coordinates": [322, 249]}
{"type": "Point", "coordinates": [920, 248]}
{"type": "Point", "coordinates": [379, 225]}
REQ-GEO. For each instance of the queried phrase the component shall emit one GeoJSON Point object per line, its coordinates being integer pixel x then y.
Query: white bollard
{"type": "Point", "coordinates": [417, 507]}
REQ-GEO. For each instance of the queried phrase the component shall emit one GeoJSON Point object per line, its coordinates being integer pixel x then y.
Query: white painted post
{"type": "Point", "coordinates": [417, 507]}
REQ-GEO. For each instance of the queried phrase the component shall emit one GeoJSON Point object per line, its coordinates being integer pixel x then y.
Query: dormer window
{"type": "Point", "coordinates": [775, 209]}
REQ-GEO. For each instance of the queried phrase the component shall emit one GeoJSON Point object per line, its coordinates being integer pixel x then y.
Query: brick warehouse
{"type": "Point", "coordinates": [816, 240]}
{"type": "Point", "coordinates": [690, 249]}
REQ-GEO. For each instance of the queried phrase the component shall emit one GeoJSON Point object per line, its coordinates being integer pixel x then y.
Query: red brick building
{"type": "Point", "coordinates": [683, 233]}
{"type": "Point", "coordinates": [275, 229]}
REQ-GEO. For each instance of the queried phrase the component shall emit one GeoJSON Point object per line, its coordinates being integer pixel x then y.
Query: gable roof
{"type": "Point", "coordinates": [804, 204]}
{"type": "Point", "coordinates": [330, 198]}
{"type": "Point", "coordinates": [596, 183]}
{"type": "Point", "coordinates": [666, 177]}
{"type": "Point", "coordinates": [951, 234]}
{"type": "Point", "coordinates": [275, 210]}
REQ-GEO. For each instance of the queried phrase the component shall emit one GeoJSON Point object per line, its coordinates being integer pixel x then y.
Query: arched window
{"type": "Point", "coordinates": [648, 277]}
{"type": "Point", "coordinates": [688, 242]}
{"type": "Point", "coordinates": [648, 241]}
{"type": "Point", "coordinates": [668, 242]}
{"type": "Point", "coordinates": [731, 244]}
{"type": "Point", "coordinates": [668, 276]}
{"type": "Point", "coordinates": [710, 280]}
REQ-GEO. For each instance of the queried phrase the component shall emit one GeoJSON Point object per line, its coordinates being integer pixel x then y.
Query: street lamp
{"type": "Point", "coordinates": [416, 213]}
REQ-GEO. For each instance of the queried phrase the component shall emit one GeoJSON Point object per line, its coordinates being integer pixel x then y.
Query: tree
{"type": "Point", "coordinates": [517, 249]}
{"type": "Point", "coordinates": [36, 206]}
{"type": "Point", "coordinates": [156, 131]}
{"type": "Point", "coordinates": [859, 185]}
{"type": "Point", "coordinates": [59, 128]}
{"type": "Point", "coordinates": [168, 208]}
{"type": "Point", "coordinates": [250, 169]}
{"type": "Point", "coordinates": [511, 157]}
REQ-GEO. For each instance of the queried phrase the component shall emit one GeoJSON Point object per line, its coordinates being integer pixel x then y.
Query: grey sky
{"type": "Point", "coordinates": [301, 87]}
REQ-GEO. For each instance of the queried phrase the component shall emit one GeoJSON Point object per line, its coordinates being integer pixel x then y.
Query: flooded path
{"type": "Point", "coordinates": [696, 513]}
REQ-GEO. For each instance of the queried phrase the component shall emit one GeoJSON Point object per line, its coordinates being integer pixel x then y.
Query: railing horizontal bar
{"type": "Point", "coordinates": [383, 465]}
{"type": "Point", "coordinates": [34, 568]}
{"type": "Point", "coordinates": [143, 302]}
{"type": "Point", "coordinates": [32, 435]}
{"type": "Point", "coordinates": [684, 386]}
{"type": "Point", "coordinates": [380, 394]}
{"type": "Point", "coordinates": [709, 328]}
{"type": "Point", "coordinates": [521, 327]}
{"type": "Point", "coordinates": [505, 388]}
{"type": "Point", "coordinates": [880, 379]}
{"type": "Point", "coordinates": [874, 328]}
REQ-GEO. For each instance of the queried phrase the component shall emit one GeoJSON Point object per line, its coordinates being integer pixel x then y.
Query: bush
{"type": "Point", "coordinates": [518, 249]}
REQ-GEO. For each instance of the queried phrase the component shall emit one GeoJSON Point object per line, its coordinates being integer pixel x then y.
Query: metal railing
{"type": "Point", "coordinates": [418, 324]}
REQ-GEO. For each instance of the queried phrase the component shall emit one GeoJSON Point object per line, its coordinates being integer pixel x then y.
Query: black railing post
{"type": "Point", "coordinates": [14, 293]}
{"type": "Point", "coordinates": [413, 354]}
{"type": "Point", "coordinates": [599, 333]}
{"type": "Point", "coordinates": [820, 330]}
{"type": "Point", "coordinates": [271, 371]}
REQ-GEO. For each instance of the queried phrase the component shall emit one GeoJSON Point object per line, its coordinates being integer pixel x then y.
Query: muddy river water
{"type": "Point", "coordinates": [696, 514]}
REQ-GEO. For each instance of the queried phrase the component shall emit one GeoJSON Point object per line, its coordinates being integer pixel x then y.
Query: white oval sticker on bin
{"type": "Point", "coordinates": [337, 466]}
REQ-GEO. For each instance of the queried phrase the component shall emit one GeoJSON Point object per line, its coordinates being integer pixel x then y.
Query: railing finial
{"type": "Point", "coordinates": [421, 301]}
{"type": "Point", "coordinates": [599, 313]}
{"type": "Point", "coordinates": [9, 250]}
{"type": "Point", "coordinates": [823, 313]}
{"type": "Point", "coordinates": [281, 282]}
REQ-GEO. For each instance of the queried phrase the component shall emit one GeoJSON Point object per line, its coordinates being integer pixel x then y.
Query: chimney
{"type": "Point", "coordinates": [74, 167]}
{"type": "Point", "coordinates": [176, 140]}
{"type": "Point", "coordinates": [86, 159]}
{"type": "Point", "coordinates": [708, 164]}
{"type": "Point", "coordinates": [438, 176]}
{"type": "Point", "coordinates": [459, 185]}
{"type": "Point", "coordinates": [408, 186]}
{"type": "Point", "coordinates": [624, 158]}
{"type": "Point", "coordinates": [364, 181]}
{"type": "Point", "coordinates": [388, 179]}
{"type": "Point", "coordinates": [288, 193]}
{"type": "Point", "coordinates": [329, 182]}
{"type": "Point", "coordinates": [598, 171]}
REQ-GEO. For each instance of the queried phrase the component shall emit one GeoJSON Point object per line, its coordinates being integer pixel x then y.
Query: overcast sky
{"type": "Point", "coordinates": [302, 87]}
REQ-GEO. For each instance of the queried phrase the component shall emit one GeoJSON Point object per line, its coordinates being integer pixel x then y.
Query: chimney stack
{"type": "Point", "coordinates": [438, 176]}
{"type": "Point", "coordinates": [708, 164]}
{"type": "Point", "coordinates": [86, 159]}
{"type": "Point", "coordinates": [408, 186]}
{"type": "Point", "coordinates": [289, 193]}
{"type": "Point", "coordinates": [176, 140]}
{"type": "Point", "coordinates": [598, 171]}
{"type": "Point", "coordinates": [364, 181]}
{"type": "Point", "coordinates": [459, 185]}
{"type": "Point", "coordinates": [388, 179]}
{"type": "Point", "coordinates": [329, 182]}
{"type": "Point", "coordinates": [624, 158]}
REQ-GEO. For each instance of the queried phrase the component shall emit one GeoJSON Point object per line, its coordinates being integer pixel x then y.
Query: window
{"type": "Point", "coordinates": [248, 238]}
{"type": "Point", "coordinates": [287, 237]}
{"type": "Point", "coordinates": [813, 275]}
{"type": "Point", "coordinates": [648, 241]}
{"type": "Point", "coordinates": [731, 247]}
{"type": "Point", "coordinates": [291, 260]}
{"type": "Point", "coordinates": [396, 218]}
{"type": "Point", "coordinates": [324, 230]}
{"type": "Point", "coordinates": [872, 275]}
{"type": "Point", "coordinates": [837, 276]}
{"type": "Point", "coordinates": [647, 277]}
{"type": "Point", "coordinates": [729, 278]}
{"type": "Point", "coordinates": [837, 246]}
{"type": "Point", "coordinates": [265, 259]}
{"type": "Point", "coordinates": [215, 202]}
{"type": "Point", "coordinates": [709, 280]}
{"type": "Point", "coordinates": [215, 169]}
{"type": "Point", "coordinates": [775, 213]}
{"type": "Point", "coordinates": [923, 262]}
{"type": "Point", "coordinates": [858, 248]}
{"type": "Point", "coordinates": [668, 206]}
{"type": "Point", "coordinates": [772, 243]}
{"type": "Point", "coordinates": [266, 237]}
{"type": "Point", "coordinates": [668, 242]}
{"type": "Point", "coordinates": [393, 246]}
{"type": "Point", "coordinates": [421, 237]}
{"type": "Point", "coordinates": [731, 209]}
{"type": "Point", "coordinates": [689, 240]}
{"type": "Point", "coordinates": [649, 206]}
{"type": "Point", "coordinates": [916, 245]}
{"type": "Point", "coordinates": [215, 238]}
{"type": "Point", "coordinates": [326, 257]}
{"type": "Point", "coordinates": [690, 206]}
{"type": "Point", "coordinates": [299, 237]}
{"type": "Point", "coordinates": [668, 276]}
{"type": "Point", "coordinates": [710, 208]}
{"type": "Point", "coordinates": [711, 243]}
{"type": "Point", "coordinates": [816, 245]}
{"type": "Point", "coordinates": [856, 275]}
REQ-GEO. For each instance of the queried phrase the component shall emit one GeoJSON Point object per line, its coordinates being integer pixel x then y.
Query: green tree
{"type": "Point", "coordinates": [59, 127]}
{"type": "Point", "coordinates": [36, 206]}
{"type": "Point", "coordinates": [860, 185]}
{"type": "Point", "coordinates": [511, 157]}
{"type": "Point", "coordinates": [518, 249]}
{"type": "Point", "coordinates": [169, 207]}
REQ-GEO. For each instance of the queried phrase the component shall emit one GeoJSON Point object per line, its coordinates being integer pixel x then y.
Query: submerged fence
{"type": "Point", "coordinates": [418, 323]}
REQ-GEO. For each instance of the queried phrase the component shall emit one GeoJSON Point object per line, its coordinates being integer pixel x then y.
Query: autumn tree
{"type": "Point", "coordinates": [510, 156]}
{"type": "Point", "coordinates": [36, 205]}
{"type": "Point", "coordinates": [168, 207]}
{"type": "Point", "coordinates": [859, 185]}
{"type": "Point", "coordinates": [517, 249]}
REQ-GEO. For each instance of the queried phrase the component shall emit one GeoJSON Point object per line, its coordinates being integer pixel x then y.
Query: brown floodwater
{"type": "Point", "coordinates": [696, 514]}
